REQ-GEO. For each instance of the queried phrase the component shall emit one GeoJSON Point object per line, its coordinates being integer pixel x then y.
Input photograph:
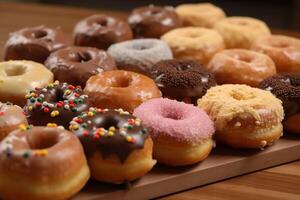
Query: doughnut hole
{"type": "Point", "coordinates": [42, 140]}
{"type": "Point", "coordinates": [101, 22]}
{"type": "Point", "coordinates": [15, 70]}
{"type": "Point", "coordinates": [245, 58]}
{"type": "Point", "coordinates": [39, 34]}
{"type": "Point", "coordinates": [80, 57]}
{"type": "Point", "coordinates": [241, 96]}
{"type": "Point", "coordinates": [121, 82]}
{"type": "Point", "coordinates": [172, 115]}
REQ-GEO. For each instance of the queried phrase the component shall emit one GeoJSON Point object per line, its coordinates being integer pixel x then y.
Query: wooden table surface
{"type": "Point", "coordinates": [278, 183]}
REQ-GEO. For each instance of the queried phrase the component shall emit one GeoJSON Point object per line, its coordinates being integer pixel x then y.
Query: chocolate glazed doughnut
{"type": "Point", "coordinates": [183, 80]}
{"type": "Point", "coordinates": [75, 65]}
{"type": "Point", "coordinates": [286, 87]}
{"type": "Point", "coordinates": [153, 21]}
{"type": "Point", "coordinates": [101, 31]}
{"type": "Point", "coordinates": [56, 104]}
{"type": "Point", "coordinates": [118, 147]}
{"type": "Point", "coordinates": [34, 43]}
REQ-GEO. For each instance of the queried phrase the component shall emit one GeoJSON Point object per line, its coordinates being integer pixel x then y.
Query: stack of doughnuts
{"type": "Point", "coordinates": [165, 86]}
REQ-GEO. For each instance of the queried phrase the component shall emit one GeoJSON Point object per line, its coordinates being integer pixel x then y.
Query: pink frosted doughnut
{"type": "Point", "coordinates": [181, 132]}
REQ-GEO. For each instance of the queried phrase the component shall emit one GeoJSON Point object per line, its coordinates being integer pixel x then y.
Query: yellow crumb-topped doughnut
{"type": "Point", "coordinates": [201, 14]}
{"type": "Point", "coordinates": [241, 32]}
{"type": "Point", "coordinates": [244, 116]}
{"type": "Point", "coordinates": [194, 43]}
{"type": "Point", "coordinates": [17, 78]}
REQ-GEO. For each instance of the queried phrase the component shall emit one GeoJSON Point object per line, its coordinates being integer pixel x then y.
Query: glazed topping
{"type": "Point", "coordinates": [75, 65]}
{"type": "Point", "coordinates": [182, 78]}
{"type": "Point", "coordinates": [56, 103]}
{"type": "Point", "coordinates": [35, 43]}
{"type": "Point", "coordinates": [287, 88]}
{"type": "Point", "coordinates": [101, 31]}
{"type": "Point", "coordinates": [153, 21]}
{"type": "Point", "coordinates": [109, 131]}
{"type": "Point", "coordinates": [7, 146]}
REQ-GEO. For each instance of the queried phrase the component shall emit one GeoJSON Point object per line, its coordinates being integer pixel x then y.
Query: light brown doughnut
{"type": "Point", "coordinates": [284, 51]}
{"type": "Point", "coordinates": [194, 43]}
{"type": "Point", "coordinates": [48, 164]}
{"type": "Point", "coordinates": [241, 66]}
{"type": "Point", "coordinates": [201, 14]}
{"type": "Point", "coordinates": [241, 32]}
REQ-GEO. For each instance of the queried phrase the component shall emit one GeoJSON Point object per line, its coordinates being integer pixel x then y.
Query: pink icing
{"type": "Point", "coordinates": [181, 121]}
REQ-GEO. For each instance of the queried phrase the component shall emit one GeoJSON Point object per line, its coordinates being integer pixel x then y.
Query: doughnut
{"type": "Point", "coordinates": [241, 66]}
{"type": "Point", "coordinates": [286, 88]}
{"type": "Point", "coordinates": [41, 163]}
{"type": "Point", "coordinates": [75, 65]}
{"type": "Point", "coordinates": [101, 31]}
{"type": "Point", "coordinates": [56, 104]}
{"type": "Point", "coordinates": [139, 55]}
{"type": "Point", "coordinates": [194, 43]}
{"type": "Point", "coordinates": [200, 14]}
{"type": "Point", "coordinates": [283, 50]}
{"type": "Point", "coordinates": [11, 117]}
{"type": "Point", "coordinates": [120, 89]}
{"type": "Point", "coordinates": [244, 117]}
{"type": "Point", "coordinates": [19, 77]}
{"type": "Point", "coordinates": [117, 146]}
{"type": "Point", "coordinates": [183, 80]}
{"type": "Point", "coordinates": [153, 21]}
{"type": "Point", "coordinates": [34, 43]}
{"type": "Point", "coordinates": [241, 32]}
{"type": "Point", "coordinates": [181, 133]}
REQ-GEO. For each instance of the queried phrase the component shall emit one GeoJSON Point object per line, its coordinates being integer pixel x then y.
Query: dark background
{"type": "Point", "coordinates": [280, 14]}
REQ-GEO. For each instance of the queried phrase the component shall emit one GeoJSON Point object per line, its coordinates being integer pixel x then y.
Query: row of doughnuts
{"type": "Point", "coordinates": [104, 118]}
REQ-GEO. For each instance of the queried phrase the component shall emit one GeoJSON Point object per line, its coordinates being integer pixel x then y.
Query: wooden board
{"type": "Point", "coordinates": [224, 162]}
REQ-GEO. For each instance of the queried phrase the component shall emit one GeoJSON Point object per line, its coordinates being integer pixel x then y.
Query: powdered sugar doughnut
{"type": "Point", "coordinates": [140, 54]}
{"type": "Point", "coordinates": [181, 132]}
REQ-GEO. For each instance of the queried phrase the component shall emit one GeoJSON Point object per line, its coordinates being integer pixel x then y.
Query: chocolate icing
{"type": "Point", "coordinates": [58, 103]}
{"type": "Point", "coordinates": [76, 65]}
{"type": "Point", "coordinates": [153, 21]}
{"type": "Point", "coordinates": [286, 87]}
{"type": "Point", "coordinates": [110, 132]}
{"type": "Point", "coordinates": [182, 79]}
{"type": "Point", "coordinates": [34, 43]}
{"type": "Point", "coordinates": [101, 31]}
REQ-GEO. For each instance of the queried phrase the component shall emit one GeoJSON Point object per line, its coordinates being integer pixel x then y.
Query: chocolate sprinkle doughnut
{"type": "Point", "coordinates": [286, 87]}
{"type": "Point", "coordinates": [109, 131]}
{"type": "Point", "coordinates": [55, 105]}
{"type": "Point", "coordinates": [182, 79]}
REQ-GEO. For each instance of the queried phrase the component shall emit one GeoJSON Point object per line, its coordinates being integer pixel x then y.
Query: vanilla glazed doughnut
{"type": "Point", "coordinates": [241, 66]}
{"type": "Point", "coordinates": [48, 163]}
{"type": "Point", "coordinates": [286, 87]}
{"type": "Point", "coordinates": [17, 78]}
{"type": "Point", "coordinates": [284, 51]}
{"type": "Point", "coordinates": [194, 43]}
{"type": "Point", "coordinates": [117, 146]}
{"type": "Point", "coordinates": [241, 32]}
{"type": "Point", "coordinates": [11, 117]}
{"type": "Point", "coordinates": [200, 14]}
{"type": "Point", "coordinates": [139, 55]}
{"type": "Point", "coordinates": [244, 117]}
{"type": "Point", "coordinates": [181, 133]}
{"type": "Point", "coordinates": [120, 89]}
